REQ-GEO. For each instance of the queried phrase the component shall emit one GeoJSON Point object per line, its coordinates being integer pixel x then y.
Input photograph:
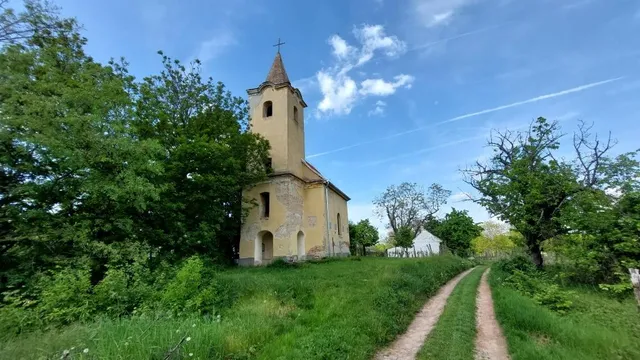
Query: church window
{"type": "Point", "coordinates": [264, 199]}
{"type": "Point", "coordinates": [295, 114]}
{"type": "Point", "coordinates": [268, 109]}
{"type": "Point", "coordinates": [339, 225]}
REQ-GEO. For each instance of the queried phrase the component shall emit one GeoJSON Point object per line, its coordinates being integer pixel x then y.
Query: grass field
{"type": "Point", "coordinates": [454, 334]}
{"type": "Point", "coordinates": [597, 328]}
{"type": "Point", "coordinates": [334, 310]}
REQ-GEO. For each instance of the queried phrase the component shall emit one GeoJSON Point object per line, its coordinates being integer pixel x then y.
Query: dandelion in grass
{"type": "Point", "coordinates": [86, 350]}
{"type": "Point", "coordinates": [190, 354]}
{"type": "Point", "coordinates": [189, 338]}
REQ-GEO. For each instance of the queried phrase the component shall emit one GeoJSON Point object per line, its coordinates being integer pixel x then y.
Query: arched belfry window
{"type": "Point", "coordinates": [339, 225]}
{"type": "Point", "coordinates": [267, 109]}
{"type": "Point", "coordinates": [295, 114]}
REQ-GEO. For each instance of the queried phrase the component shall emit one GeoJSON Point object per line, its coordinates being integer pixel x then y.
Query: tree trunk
{"type": "Point", "coordinates": [536, 254]}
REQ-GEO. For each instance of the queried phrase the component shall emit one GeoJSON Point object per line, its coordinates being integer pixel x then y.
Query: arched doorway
{"type": "Point", "coordinates": [264, 248]}
{"type": "Point", "coordinates": [301, 246]}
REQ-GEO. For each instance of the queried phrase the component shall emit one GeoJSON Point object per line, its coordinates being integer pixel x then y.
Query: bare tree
{"type": "Point", "coordinates": [525, 185]}
{"type": "Point", "coordinates": [38, 16]}
{"type": "Point", "coordinates": [408, 205]}
{"type": "Point", "coordinates": [590, 154]}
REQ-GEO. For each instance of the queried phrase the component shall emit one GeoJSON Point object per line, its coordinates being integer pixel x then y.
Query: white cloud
{"type": "Point", "coordinates": [378, 110]}
{"type": "Point", "coordinates": [339, 91]}
{"type": "Point", "coordinates": [432, 13]}
{"type": "Point", "coordinates": [372, 38]}
{"type": "Point", "coordinates": [380, 87]}
{"type": "Point", "coordinates": [212, 48]}
{"type": "Point", "coordinates": [340, 47]}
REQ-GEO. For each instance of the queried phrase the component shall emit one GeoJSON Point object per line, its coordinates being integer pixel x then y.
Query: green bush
{"type": "Point", "coordinates": [17, 314]}
{"type": "Point", "coordinates": [520, 262]}
{"type": "Point", "coordinates": [551, 296]}
{"type": "Point", "coordinates": [535, 285]}
{"type": "Point", "coordinates": [181, 293]}
{"type": "Point", "coordinates": [65, 296]}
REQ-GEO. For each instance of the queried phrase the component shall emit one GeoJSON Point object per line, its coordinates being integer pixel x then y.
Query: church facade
{"type": "Point", "coordinates": [300, 214]}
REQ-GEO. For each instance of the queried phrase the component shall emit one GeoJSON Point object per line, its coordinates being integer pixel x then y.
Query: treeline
{"type": "Point", "coordinates": [102, 171]}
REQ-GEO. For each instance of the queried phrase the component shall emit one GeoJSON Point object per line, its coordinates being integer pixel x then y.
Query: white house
{"type": "Point", "coordinates": [425, 244]}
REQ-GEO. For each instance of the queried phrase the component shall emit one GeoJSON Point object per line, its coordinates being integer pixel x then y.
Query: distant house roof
{"type": "Point", "coordinates": [426, 237]}
{"type": "Point", "coordinates": [329, 183]}
{"type": "Point", "coordinates": [423, 239]}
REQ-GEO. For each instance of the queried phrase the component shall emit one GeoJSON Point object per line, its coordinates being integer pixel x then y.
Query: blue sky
{"type": "Point", "coordinates": [400, 90]}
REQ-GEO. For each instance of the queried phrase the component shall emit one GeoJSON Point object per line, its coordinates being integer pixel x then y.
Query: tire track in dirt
{"type": "Point", "coordinates": [490, 342]}
{"type": "Point", "coordinates": [406, 346]}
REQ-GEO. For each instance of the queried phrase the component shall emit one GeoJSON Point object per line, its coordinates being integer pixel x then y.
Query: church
{"type": "Point", "coordinates": [300, 214]}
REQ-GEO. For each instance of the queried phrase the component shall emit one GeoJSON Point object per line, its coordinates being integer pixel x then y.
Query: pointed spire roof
{"type": "Point", "coordinates": [277, 74]}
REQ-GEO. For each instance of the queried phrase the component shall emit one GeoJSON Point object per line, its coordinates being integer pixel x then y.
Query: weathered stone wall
{"type": "Point", "coordinates": [294, 207]}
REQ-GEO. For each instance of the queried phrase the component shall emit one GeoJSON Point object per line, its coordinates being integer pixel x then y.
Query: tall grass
{"type": "Point", "coordinates": [334, 310]}
{"type": "Point", "coordinates": [454, 334]}
{"type": "Point", "coordinates": [535, 332]}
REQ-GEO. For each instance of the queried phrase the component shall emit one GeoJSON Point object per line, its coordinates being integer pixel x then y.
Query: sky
{"type": "Point", "coordinates": [400, 90]}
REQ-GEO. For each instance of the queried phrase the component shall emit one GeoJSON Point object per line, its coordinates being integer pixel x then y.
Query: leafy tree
{"type": "Point", "coordinates": [210, 157]}
{"type": "Point", "coordinates": [604, 241]}
{"type": "Point", "coordinates": [100, 171]}
{"type": "Point", "coordinates": [362, 235]}
{"type": "Point", "coordinates": [404, 237]}
{"type": "Point", "coordinates": [73, 179]}
{"type": "Point", "coordinates": [496, 239]}
{"type": "Point", "coordinates": [408, 205]}
{"type": "Point", "coordinates": [524, 184]}
{"type": "Point", "coordinates": [495, 245]}
{"type": "Point", "coordinates": [456, 230]}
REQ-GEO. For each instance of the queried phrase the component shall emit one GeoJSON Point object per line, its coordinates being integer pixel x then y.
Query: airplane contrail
{"type": "Point", "coordinates": [481, 112]}
{"type": "Point", "coordinates": [424, 46]}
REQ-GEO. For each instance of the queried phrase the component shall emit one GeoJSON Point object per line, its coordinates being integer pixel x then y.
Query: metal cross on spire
{"type": "Point", "coordinates": [278, 45]}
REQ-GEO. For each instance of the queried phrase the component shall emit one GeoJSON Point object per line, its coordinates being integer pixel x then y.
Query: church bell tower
{"type": "Point", "coordinates": [277, 113]}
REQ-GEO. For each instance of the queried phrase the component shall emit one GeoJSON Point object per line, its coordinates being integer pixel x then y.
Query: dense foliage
{"type": "Point", "coordinates": [545, 197]}
{"type": "Point", "coordinates": [361, 236]}
{"type": "Point", "coordinates": [456, 230]}
{"type": "Point", "coordinates": [496, 240]}
{"type": "Point", "coordinates": [102, 175]}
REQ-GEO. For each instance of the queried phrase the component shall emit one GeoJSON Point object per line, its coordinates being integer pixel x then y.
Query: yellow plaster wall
{"type": "Point", "coordinates": [273, 128]}
{"type": "Point", "coordinates": [295, 133]}
{"type": "Point", "coordinates": [315, 221]}
{"type": "Point", "coordinates": [285, 135]}
{"type": "Point", "coordinates": [339, 241]}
